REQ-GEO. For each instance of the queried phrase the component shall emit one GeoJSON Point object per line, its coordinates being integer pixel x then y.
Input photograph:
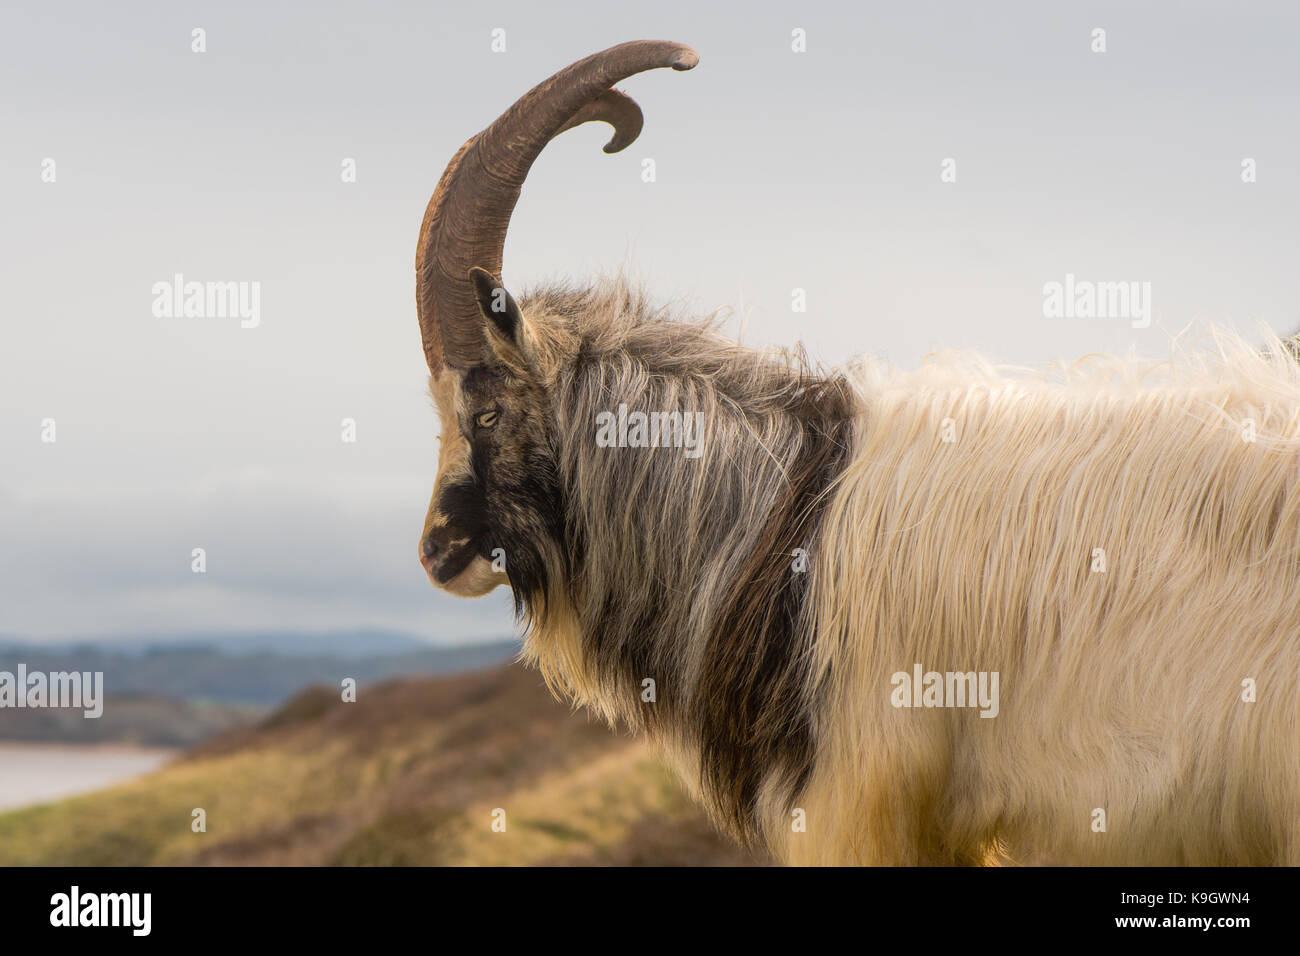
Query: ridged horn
{"type": "Point", "coordinates": [465, 222]}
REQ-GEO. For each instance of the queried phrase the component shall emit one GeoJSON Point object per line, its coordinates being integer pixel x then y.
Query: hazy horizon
{"type": "Point", "coordinates": [255, 636]}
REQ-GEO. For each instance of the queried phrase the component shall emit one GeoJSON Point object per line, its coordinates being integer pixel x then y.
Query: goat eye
{"type": "Point", "coordinates": [486, 419]}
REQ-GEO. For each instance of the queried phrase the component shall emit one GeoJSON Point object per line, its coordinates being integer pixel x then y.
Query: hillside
{"type": "Point", "coordinates": [409, 774]}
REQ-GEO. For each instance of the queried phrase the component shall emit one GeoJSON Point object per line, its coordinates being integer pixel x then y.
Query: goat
{"type": "Point", "coordinates": [778, 609]}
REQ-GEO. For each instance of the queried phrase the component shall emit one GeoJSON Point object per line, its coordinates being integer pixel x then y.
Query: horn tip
{"type": "Point", "coordinates": [686, 59]}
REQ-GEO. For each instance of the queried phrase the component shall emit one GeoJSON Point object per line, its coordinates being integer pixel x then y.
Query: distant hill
{"type": "Point", "coordinates": [141, 719]}
{"type": "Point", "coordinates": [358, 642]}
{"type": "Point", "coordinates": [205, 673]}
{"type": "Point", "coordinates": [411, 773]}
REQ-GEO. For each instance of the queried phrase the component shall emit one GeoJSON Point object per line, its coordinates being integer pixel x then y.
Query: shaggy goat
{"type": "Point", "coordinates": [840, 561]}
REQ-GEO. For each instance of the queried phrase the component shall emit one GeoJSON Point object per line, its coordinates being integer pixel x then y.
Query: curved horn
{"type": "Point", "coordinates": [466, 220]}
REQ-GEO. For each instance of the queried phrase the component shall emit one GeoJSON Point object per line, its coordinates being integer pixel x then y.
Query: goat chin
{"type": "Point", "coordinates": [476, 580]}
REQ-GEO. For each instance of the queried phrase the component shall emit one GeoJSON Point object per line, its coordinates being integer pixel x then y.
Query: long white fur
{"type": "Point", "coordinates": [1121, 691]}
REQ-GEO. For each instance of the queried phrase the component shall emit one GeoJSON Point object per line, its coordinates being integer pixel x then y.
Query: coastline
{"type": "Point", "coordinates": [33, 773]}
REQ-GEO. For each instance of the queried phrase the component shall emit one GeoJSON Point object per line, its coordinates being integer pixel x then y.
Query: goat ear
{"type": "Point", "coordinates": [504, 321]}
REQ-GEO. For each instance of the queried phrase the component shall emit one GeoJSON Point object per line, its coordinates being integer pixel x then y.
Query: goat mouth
{"type": "Point", "coordinates": [454, 563]}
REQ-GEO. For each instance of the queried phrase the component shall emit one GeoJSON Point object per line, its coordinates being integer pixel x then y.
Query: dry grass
{"type": "Point", "coordinates": [408, 775]}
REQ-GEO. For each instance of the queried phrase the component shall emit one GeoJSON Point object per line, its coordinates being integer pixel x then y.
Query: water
{"type": "Point", "coordinates": [41, 773]}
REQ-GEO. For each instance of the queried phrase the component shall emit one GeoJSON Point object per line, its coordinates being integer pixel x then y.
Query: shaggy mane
{"type": "Point", "coordinates": [1048, 525]}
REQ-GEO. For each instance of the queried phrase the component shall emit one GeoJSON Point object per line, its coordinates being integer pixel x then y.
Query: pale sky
{"type": "Point", "coordinates": [775, 170]}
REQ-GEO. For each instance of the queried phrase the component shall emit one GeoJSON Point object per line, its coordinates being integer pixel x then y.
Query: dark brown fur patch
{"type": "Point", "coordinates": [750, 704]}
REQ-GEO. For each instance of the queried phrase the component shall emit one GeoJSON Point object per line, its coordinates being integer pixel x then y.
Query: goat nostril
{"type": "Point", "coordinates": [430, 548]}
